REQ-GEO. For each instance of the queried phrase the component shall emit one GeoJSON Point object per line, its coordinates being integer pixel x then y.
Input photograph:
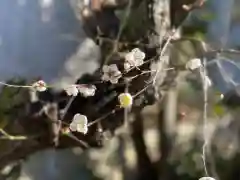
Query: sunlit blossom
{"type": "Point", "coordinates": [134, 58]}
{"type": "Point", "coordinates": [111, 73]}
{"type": "Point", "coordinates": [40, 86]}
{"type": "Point", "coordinates": [79, 123]}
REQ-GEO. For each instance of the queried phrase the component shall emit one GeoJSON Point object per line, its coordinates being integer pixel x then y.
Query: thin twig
{"type": "Point", "coordinates": [103, 117]}
{"type": "Point", "coordinates": [77, 139]}
{"type": "Point", "coordinates": [162, 53]}
{"type": "Point", "coordinates": [205, 94]}
{"type": "Point", "coordinates": [203, 73]}
{"type": "Point", "coordinates": [10, 137]}
{"type": "Point", "coordinates": [65, 110]}
{"type": "Point", "coordinates": [122, 25]}
{"type": "Point", "coordinates": [16, 86]}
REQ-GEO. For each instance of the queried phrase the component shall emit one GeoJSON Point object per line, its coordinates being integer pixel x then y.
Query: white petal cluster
{"type": "Point", "coordinates": [125, 100]}
{"type": "Point", "coordinates": [134, 58]}
{"type": "Point", "coordinates": [79, 123]}
{"type": "Point", "coordinates": [40, 86]}
{"type": "Point", "coordinates": [85, 90]}
{"type": "Point", "coordinates": [194, 64]}
{"type": "Point", "coordinates": [71, 90]}
{"type": "Point", "coordinates": [111, 73]}
{"type": "Point", "coordinates": [206, 178]}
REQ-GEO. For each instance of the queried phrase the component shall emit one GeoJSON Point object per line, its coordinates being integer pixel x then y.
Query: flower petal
{"type": "Point", "coordinates": [139, 58]}
{"type": "Point", "coordinates": [87, 90]}
{"type": "Point", "coordinates": [41, 89]}
{"type": "Point", "coordinates": [85, 130]}
{"type": "Point", "coordinates": [105, 77]}
{"type": "Point", "coordinates": [82, 129]}
{"type": "Point", "coordinates": [135, 57]}
{"type": "Point", "coordinates": [105, 68]}
{"type": "Point", "coordinates": [127, 66]}
{"type": "Point", "coordinates": [114, 80]}
{"type": "Point", "coordinates": [139, 62]}
{"type": "Point", "coordinates": [73, 127]}
{"type": "Point", "coordinates": [129, 57]}
{"type": "Point", "coordinates": [76, 116]}
{"type": "Point", "coordinates": [80, 119]}
{"type": "Point", "coordinates": [113, 67]}
{"type": "Point", "coordinates": [136, 50]}
{"type": "Point", "coordinates": [40, 86]}
{"type": "Point", "coordinates": [71, 90]}
{"type": "Point", "coordinates": [117, 74]}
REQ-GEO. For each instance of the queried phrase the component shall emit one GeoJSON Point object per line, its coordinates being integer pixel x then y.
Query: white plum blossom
{"type": "Point", "coordinates": [79, 123]}
{"type": "Point", "coordinates": [194, 64]}
{"type": "Point", "coordinates": [40, 86]}
{"type": "Point", "coordinates": [138, 56]}
{"type": "Point", "coordinates": [87, 90]}
{"type": "Point", "coordinates": [111, 73]}
{"type": "Point", "coordinates": [125, 100]}
{"type": "Point", "coordinates": [206, 178]}
{"type": "Point", "coordinates": [71, 90]}
{"type": "Point", "coordinates": [127, 66]}
{"type": "Point", "coordinates": [134, 58]}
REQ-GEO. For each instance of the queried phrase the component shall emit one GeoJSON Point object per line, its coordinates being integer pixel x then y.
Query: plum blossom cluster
{"type": "Point", "coordinates": [71, 90]}
{"type": "Point", "coordinates": [80, 122]}
{"type": "Point", "coordinates": [83, 89]}
{"type": "Point", "coordinates": [111, 72]}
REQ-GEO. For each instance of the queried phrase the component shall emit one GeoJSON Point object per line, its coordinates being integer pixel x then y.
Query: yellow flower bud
{"type": "Point", "coordinates": [125, 100]}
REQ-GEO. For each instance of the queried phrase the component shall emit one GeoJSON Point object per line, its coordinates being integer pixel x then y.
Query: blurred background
{"type": "Point", "coordinates": [45, 38]}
